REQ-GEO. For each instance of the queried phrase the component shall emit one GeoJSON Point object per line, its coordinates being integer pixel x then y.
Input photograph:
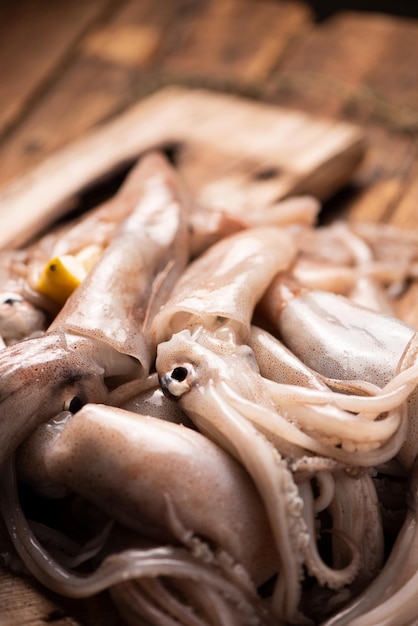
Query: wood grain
{"type": "Point", "coordinates": [262, 153]}
{"type": "Point", "coordinates": [358, 67]}
{"type": "Point", "coordinates": [36, 37]}
{"type": "Point", "coordinates": [109, 68]}
{"type": "Point", "coordinates": [224, 44]}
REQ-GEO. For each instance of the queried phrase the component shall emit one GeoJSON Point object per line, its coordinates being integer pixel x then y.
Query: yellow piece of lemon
{"type": "Point", "coordinates": [60, 277]}
{"type": "Point", "coordinates": [62, 274]}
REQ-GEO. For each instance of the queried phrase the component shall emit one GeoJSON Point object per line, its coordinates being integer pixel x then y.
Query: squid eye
{"type": "Point", "coordinates": [179, 374]}
{"type": "Point", "coordinates": [175, 383]}
{"type": "Point", "coordinates": [73, 404]}
{"type": "Point", "coordinates": [11, 299]}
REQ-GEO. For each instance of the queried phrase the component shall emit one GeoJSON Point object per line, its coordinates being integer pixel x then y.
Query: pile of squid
{"type": "Point", "coordinates": [219, 423]}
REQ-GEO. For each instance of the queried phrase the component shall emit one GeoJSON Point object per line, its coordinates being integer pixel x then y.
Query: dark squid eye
{"type": "Point", "coordinates": [179, 374]}
{"type": "Point", "coordinates": [178, 381]}
{"type": "Point", "coordinates": [73, 404]}
{"type": "Point", "coordinates": [11, 299]}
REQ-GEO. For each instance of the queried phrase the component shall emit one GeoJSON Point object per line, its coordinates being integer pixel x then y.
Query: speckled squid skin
{"type": "Point", "coordinates": [141, 461]}
{"type": "Point", "coordinates": [226, 282]}
{"type": "Point", "coordinates": [341, 339]}
{"type": "Point", "coordinates": [37, 378]}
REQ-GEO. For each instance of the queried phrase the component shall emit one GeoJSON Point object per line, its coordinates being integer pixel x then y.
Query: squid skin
{"type": "Point", "coordinates": [23, 310]}
{"type": "Point", "coordinates": [225, 283]}
{"type": "Point", "coordinates": [153, 402]}
{"type": "Point", "coordinates": [19, 318]}
{"type": "Point", "coordinates": [141, 462]}
{"type": "Point", "coordinates": [208, 225]}
{"type": "Point", "coordinates": [39, 378]}
{"type": "Point", "coordinates": [341, 339]}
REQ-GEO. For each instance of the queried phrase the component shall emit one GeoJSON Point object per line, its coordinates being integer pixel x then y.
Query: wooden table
{"type": "Point", "coordinates": [67, 67]}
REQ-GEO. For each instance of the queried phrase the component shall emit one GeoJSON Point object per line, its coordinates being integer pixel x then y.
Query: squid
{"type": "Point", "coordinates": [207, 321]}
{"type": "Point", "coordinates": [27, 307]}
{"type": "Point", "coordinates": [101, 337]}
{"type": "Point", "coordinates": [208, 363]}
{"type": "Point", "coordinates": [234, 371]}
{"type": "Point", "coordinates": [369, 263]}
{"type": "Point", "coordinates": [391, 597]}
{"type": "Point", "coordinates": [364, 345]}
{"type": "Point", "coordinates": [163, 499]}
{"type": "Point", "coordinates": [19, 318]}
{"type": "Point", "coordinates": [24, 307]}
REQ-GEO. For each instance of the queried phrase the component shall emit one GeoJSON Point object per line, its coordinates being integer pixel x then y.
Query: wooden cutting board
{"type": "Point", "coordinates": [231, 152]}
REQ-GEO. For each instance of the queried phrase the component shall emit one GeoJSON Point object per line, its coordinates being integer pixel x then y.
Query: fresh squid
{"type": "Point", "coordinates": [164, 499]}
{"type": "Point", "coordinates": [391, 598]}
{"type": "Point", "coordinates": [368, 263]}
{"type": "Point", "coordinates": [207, 365]}
{"type": "Point", "coordinates": [101, 336]}
{"type": "Point", "coordinates": [208, 319]}
{"type": "Point", "coordinates": [24, 307]}
{"type": "Point", "coordinates": [364, 345]}
{"type": "Point", "coordinates": [252, 419]}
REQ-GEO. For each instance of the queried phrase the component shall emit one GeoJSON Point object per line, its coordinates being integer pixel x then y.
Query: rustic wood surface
{"type": "Point", "coordinates": [232, 152]}
{"type": "Point", "coordinates": [68, 68]}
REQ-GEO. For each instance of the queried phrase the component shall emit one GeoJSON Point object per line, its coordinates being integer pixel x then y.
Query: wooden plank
{"type": "Point", "coordinates": [406, 214]}
{"type": "Point", "coordinates": [146, 42]}
{"type": "Point", "coordinates": [137, 33]}
{"type": "Point", "coordinates": [353, 64]}
{"type": "Point", "coordinates": [110, 68]}
{"type": "Point", "coordinates": [259, 166]}
{"type": "Point", "coordinates": [36, 36]}
{"type": "Point", "coordinates": [381, 179]}
{"type": "Point", "coordinates": [248, 141]}
{"type": "Point", "coordinates": [235, 42]}
{"type": "Point", "coordinates": [358, 67]}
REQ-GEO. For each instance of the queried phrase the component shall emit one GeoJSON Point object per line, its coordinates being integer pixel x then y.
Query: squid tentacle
{"type": "Point", "coordinates": [334, 578]}
{"type": "Point", "coordinates": [115, 568]}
